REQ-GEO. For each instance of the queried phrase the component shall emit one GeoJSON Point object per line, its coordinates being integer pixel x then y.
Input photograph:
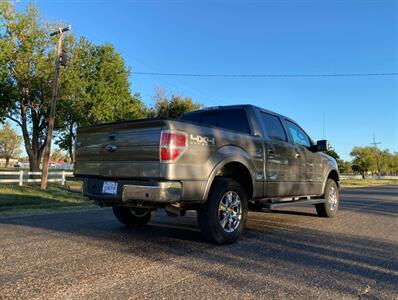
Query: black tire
{"type": "Point", "coordinates": [329, 208]}
{"type": "Point", "coordinates": [132, 216]}
{"type": "Point", "coordinates": [209, 214]}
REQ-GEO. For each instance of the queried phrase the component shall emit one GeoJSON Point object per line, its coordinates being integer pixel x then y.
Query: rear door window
{"type": "Point", "coordinates": [234, 119]}
{"type": "Point", "coordinates": [273, 127]}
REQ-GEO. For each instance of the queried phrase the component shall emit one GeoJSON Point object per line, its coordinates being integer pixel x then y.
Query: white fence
{"type": "Point", "coordinates": [353, 176]}
{"type": "Point", "coordinates": [22, 177]}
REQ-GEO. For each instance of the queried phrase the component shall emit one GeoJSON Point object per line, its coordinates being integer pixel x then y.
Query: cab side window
{"type": "Point", "coordinates": [273, 127]}
{"type": "Point", "coordinates": [298, 135]}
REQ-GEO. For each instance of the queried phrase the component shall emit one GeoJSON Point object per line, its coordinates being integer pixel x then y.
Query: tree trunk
{"type": "Point", "coordinates": [34, 162]}
{"type": "Point", "coordinates": [71, 149]}
{"type": "Point", "coordinates": [7, 161]}
{"type": "Point", "coordinates": [71, 155]}
{"type": "Point", "coordinates": [34, 158]}
{"type": "Point", "coordinates": [32, 147]}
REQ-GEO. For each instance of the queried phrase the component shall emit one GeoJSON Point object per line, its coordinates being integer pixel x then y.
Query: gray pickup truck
{"type": "Point", "coordinates": [218, 161]}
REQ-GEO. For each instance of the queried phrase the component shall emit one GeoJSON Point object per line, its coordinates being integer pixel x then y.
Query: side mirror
{"type": "Point", "coordinates": [322, 145]}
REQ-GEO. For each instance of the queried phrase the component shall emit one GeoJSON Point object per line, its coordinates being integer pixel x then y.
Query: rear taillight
{"type": "Point", "coordinates": [172, 145]}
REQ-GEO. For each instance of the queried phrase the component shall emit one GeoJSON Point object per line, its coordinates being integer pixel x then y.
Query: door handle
{"type": "Point", "coordinates": [111, 148]}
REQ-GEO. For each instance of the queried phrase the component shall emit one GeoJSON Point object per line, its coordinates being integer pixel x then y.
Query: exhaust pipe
{"type": "Point", "coordinates": [174, 210]}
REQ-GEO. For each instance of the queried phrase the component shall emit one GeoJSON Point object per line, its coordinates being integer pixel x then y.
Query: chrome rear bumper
{"type": "Point", "coordinates": [163, 192]}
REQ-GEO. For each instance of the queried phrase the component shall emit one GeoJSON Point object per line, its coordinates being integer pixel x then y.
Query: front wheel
{"type": "Point", "coordinates": [330, 207]}
{"type": "Point", "coordinates": [132, 216]}
{"type": "Point", "coordinates": [223, 217]}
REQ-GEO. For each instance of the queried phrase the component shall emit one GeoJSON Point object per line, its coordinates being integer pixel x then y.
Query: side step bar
{"type": "Point", "coordinates": [287, 203]}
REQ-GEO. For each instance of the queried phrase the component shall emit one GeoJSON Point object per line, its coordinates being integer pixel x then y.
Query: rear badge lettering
{"type": "Point", "coordinates": [202, 140]}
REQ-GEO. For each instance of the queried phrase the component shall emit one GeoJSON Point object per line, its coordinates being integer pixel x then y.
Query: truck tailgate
{"type": "Point", "coordinates": [120, 150]}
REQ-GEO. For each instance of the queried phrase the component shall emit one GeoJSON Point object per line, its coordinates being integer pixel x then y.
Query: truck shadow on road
{"type": "Point", "coordinates": [276, 249]}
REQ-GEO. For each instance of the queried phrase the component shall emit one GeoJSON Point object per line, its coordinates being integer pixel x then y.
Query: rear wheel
{"type": "Point", "coordinates": [331, 195]}
{"type": "Point", "coordinates": [132, 216]}
{"type": "Point", "coordinates": [223, 217]}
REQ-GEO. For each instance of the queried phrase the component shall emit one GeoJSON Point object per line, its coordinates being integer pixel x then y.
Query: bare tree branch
{"type": "Point", "coordinates": [15, 120]}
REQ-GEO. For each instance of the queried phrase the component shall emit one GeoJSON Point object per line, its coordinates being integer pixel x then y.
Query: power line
{"type": "Point", "coordinates": [266, 75]}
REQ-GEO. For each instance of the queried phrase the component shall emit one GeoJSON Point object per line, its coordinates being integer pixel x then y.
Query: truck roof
{"type": "Point", "coordinates": [238, 106]}
{"type": "Point", "coordinates": [160, 119]}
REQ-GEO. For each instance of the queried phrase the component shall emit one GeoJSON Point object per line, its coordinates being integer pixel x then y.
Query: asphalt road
{"type": "Point", "coordinates": [283, 255]}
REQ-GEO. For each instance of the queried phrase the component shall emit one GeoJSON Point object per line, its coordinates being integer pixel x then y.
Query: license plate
{"type": "Point", "coordinates": [109, 187]}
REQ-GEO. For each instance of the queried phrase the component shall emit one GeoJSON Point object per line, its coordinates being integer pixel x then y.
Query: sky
{"type": "Point", "coordinates": [260, 37]}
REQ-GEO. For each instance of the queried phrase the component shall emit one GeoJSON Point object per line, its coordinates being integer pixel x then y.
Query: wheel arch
{"type": "Point", "coordinates": [237, 169]}
{"type": "Point", "coordinates": [334, 175]}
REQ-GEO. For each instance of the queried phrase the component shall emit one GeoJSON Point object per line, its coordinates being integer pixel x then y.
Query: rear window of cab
{"type": "Point", "coordinates": [232, 119]}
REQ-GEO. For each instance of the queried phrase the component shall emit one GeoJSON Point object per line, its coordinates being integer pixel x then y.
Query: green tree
{"type": "Point", "coordinates": [93, 88]}
{"type": "Point", "coordinates": [331, 152]}
{"type": "Point", "coordinates": [96, 89]}
{"type": "Point", "coordinates": [387, 162]}
{"type": "Point", "coordinates": [58, 156]}
{"type": "Point", "coordinates": [344, 166]}
{"type": "Point", "coordinates": [394, 163]}
{"type": "Point", "coordinates": [26, 74]}
{"type": "Point", "coordinates": [364, 159]}
{"type": "Point", "coordinates": [174, 107]}
{"type": "Point", "coordinates": [10, 143]}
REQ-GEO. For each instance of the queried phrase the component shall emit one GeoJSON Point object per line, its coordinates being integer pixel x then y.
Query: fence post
{"type": "Point", "coordinates": [20, 178]}
{"type": "Point", "coordinates": [63, 178]}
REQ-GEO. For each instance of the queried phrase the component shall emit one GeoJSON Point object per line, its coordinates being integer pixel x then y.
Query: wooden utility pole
{"type": "Point", "coordinates": [377, 154]}
{"type": "Point", "coordinates": [51, 116]}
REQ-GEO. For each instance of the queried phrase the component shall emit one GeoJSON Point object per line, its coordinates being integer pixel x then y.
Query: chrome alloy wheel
{"type": "Point", "coordinates": [230, 211]}
{"type": "Point", "coordinates": [333, 198]}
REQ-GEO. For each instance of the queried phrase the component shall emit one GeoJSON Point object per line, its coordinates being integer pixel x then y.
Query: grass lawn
{"type": "Point", "coordinates": [367, 182]}
{"type": "Point", "coordinates": [29, 199]}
